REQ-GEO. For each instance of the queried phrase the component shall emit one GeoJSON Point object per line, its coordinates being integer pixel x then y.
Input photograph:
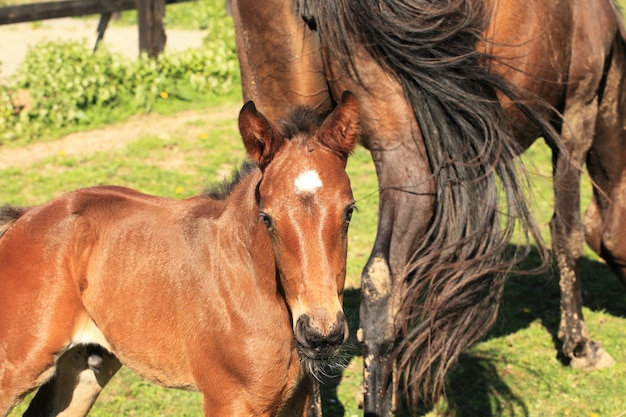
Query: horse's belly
{"type": "Point", "coordinates": [86, 332]}
{"type": "Point", "coordinates": [161, 366]}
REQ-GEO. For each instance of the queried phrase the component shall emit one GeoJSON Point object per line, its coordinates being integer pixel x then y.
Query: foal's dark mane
{"type": "Point", "coordinates": [222, 190]}
{"type": "Point", "coordinates": [452, 291]}
{"type": "Point", "coordinates": [301, 119]}
{"type": "Point", "coordinates": [8, 215]}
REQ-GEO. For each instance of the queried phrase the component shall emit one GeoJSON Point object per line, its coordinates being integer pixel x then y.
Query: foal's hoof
{"type": "Point", "coordinates": [596, 358]}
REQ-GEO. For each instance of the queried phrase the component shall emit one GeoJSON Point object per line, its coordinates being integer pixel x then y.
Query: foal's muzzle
{"type": "Point", "coordinates": [314, 344]}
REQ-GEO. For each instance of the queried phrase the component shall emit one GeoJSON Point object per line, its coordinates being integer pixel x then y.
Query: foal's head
{"type": "Point", "coordinates": [306, 203]}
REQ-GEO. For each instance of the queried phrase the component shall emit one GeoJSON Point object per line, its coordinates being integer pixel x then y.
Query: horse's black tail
{"type": "Point", "coordinates": [450, 298]}
{"type": "Point", "coordinates": [8, 215]}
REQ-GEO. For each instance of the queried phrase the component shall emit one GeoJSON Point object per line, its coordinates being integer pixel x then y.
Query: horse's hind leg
{"type": "Point", "coordinates": [598, 116]}
{"type": "Point", "coordinates": [604, 230]}
{"type": "Point", "coordinates": [567, 230]}
{"type": "Point", "coordinates": [605, 219]}
{"type": "Point", "coordinates": [605, 226]}
{"type": "Point", "coordinates": [80, 375]}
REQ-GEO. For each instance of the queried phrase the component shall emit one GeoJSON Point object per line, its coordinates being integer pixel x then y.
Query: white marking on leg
{"type": "Point", "coordinates": [307, 182]}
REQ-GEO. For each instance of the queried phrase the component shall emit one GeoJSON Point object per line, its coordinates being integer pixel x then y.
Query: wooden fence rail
{"type": "Point", "coordinates": [150, 16]}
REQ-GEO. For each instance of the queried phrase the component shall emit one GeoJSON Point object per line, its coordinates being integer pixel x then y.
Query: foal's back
{"type": "Point", "coordinates": [168, 280]}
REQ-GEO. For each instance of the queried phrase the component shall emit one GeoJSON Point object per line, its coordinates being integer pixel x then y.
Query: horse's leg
{"type": "Point", "coordinates": [376, 331]}
{"type": "Point", "coordinates": [299, 399]}
{"type": "Point", "coordinates": [588, 124]}
{"type": "Point", "coordinates": [405, 208]}
{"type": "Point", "coordinates": [39, 316]}
{"type": "Point", "coordinates": [605, 218]}
{"type": "Point", "coordinates": [567, 233]}
{"type": "Point", "coordinates": [80, 375]}
{"type": "Point", "coordinates": [314, 403]}
{"type": "Point", "coordinates": [593, 226]}
{"type": "Point", "coordinates": [17, 379]}
{"type": "Point", "coordinates": [605, 233]}
{"type": "Point", "coordinates": [24, 364]}
{"type": "Point", "coordinates": [604, 226]}
{"type": "Point", "coordinates": [28, 359]}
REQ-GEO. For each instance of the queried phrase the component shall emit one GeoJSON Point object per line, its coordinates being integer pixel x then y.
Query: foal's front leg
{"type": "Point", "coordinates": [304, 401]}
{"type": "Point", "coordinates": [80, 375]}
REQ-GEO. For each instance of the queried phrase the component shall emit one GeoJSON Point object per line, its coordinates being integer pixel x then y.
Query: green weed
{"type": "Point", "coordinates": [69, 87]}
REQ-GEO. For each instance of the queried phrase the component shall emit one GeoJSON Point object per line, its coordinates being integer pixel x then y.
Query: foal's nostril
{"type": "Point", "coordinates": [318, 344]}
{"type": "Point", "coordinates": [339, 333]}
{"type": "Point", "coordinates": [302, 328]}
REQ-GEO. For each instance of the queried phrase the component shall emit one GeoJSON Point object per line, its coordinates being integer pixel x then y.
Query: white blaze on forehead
{"type": "Point", "coordinates": [308, 182]}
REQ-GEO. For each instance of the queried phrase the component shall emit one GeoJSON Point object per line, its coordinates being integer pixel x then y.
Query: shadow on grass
{"type": "Point", "coordinates": [527, 298]}
{"type": "Point", "coordinates": [475, 388]}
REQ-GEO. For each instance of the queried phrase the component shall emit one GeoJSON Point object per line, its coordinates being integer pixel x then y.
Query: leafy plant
{"type": "Point", "coordinates": [71, 87]}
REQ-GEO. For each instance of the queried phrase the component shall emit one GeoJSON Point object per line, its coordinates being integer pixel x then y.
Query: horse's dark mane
{"type": "Point", "coordinates": [301, 119]}
{"type": "Point", "coordinates": [224, 189]}
{"type": "Point", "coordinates": [457, 275]}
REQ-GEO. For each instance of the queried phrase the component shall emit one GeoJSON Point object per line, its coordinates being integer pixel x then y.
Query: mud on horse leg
{"type": "Point", "coordinates": [405, 208]}
{"type": "Point", "coordinates": [583, 352]}
{"type": "Point", "coordinates": [376, 334]}
{"type": "Point", "coordinates": [567, 236]}
{"type": "Point", "coordinates": [605, 218]}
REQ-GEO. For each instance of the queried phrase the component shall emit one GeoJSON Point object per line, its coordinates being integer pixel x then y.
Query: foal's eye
{"type": "Point", "coordinates": [267, 220]}
{"type": "Point", "coordinates": [348, 214]}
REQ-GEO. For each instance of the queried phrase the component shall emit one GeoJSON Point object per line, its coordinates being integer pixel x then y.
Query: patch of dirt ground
{"type": "Point", "coordinates": [112, 137]}
{"type": "Point", "coordinates": [16, 39]}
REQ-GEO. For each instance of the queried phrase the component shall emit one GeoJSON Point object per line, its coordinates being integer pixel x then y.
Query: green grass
{"type": "Point", "coordinates": [515, 371]}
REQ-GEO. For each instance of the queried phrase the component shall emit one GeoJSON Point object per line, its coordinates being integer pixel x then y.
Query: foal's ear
{"type": "Point", "coordinates": [260, 138]}
{"type": "Point", "coordinates": [341, 128]}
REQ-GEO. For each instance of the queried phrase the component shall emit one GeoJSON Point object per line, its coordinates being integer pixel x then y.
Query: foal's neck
{"type": "Point", "coordinates": [239, 219]}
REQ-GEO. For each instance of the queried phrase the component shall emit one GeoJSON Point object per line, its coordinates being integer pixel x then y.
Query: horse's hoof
{"type": "Point", "coordinates": [596, 358]}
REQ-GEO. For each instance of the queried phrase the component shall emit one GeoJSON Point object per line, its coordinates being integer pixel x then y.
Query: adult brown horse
{"type": "Point", "coordinates": [236, 294]}
{"type": "Point", "coordinates": [451, 91]}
